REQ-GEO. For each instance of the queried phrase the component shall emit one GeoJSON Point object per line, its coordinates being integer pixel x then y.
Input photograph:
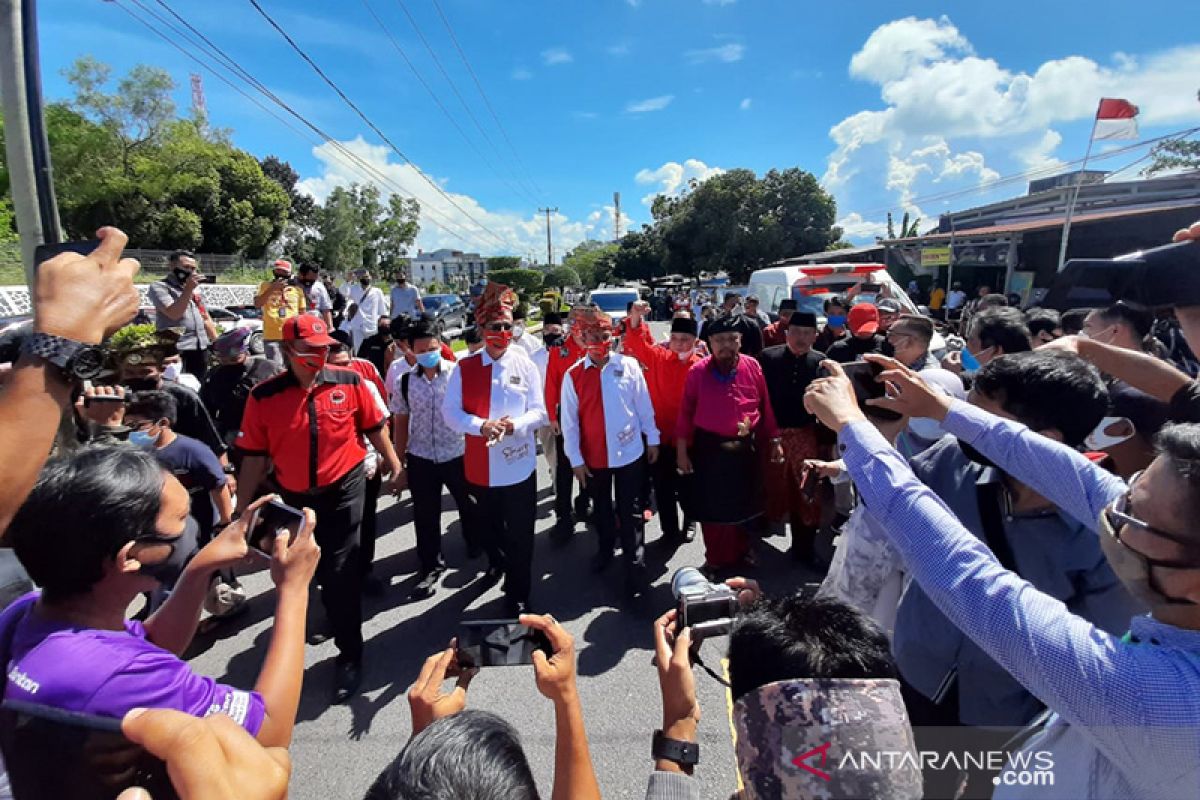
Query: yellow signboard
{"type": "Point", "coordinates": [935, 256]}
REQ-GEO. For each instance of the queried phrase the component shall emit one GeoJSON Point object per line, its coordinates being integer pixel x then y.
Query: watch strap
{"type": "Point", "coordinates": [684, 753]}
{"type": "Point", "coordinates": [54, 349]}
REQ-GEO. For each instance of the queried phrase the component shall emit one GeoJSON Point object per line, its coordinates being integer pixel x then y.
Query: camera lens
{"type": "Point", "coordinates": [688, 580]}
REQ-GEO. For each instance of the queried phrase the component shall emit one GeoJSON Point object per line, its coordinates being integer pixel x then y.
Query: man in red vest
{"type": "Point", "coordinates": [559, 360]}
{"type": "Point", "coordinates": [605, 412]}
{"type": "Point", "coordinates": [495, 399]}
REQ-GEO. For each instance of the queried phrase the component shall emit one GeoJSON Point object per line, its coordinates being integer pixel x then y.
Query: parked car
{"type": "Point", "coordinates": [227, 319]}
{"type": "Point", "coordinates": [448, 312]}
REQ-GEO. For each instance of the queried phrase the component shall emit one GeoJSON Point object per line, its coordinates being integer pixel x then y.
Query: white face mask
{"type": "Point", "coordinates": [171, 372]}
{"type": "Point", "coordinates": [686, 354]}
{"type": "Point", "coordinates": [518, 330]}
{"type": "Point", "coordinates": [1099, 440]}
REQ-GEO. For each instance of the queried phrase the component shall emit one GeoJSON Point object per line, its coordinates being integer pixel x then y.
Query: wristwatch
{"type": "Point", "coordinates": [75, 360]}
{"type": "Point", "coordinates": [685, 754]}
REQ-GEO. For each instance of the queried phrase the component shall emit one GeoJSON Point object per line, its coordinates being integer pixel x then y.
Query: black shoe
{"type": "Point", "coordinates": [563, 531]}
{"type": "Point", "coordinates": [474, 551]}
{"type": "Point", "coordinates": [319, 637]}
{"type": "Point", "coordinates": [492, 576]}
{"type": "Point", "coordinates": [426, 587]}
{"type": "Point", "coordinates": [373, 587]}
{"type": "Point", "coordinates": [346, 681]}
{"type": "Point", "coordinates": [601, 560]}
{"type": "Point", "coordinates": [582, 509]}
{"type": "Point", "coordinates": [635, 578]}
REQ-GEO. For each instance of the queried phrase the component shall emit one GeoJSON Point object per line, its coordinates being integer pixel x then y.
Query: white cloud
{"type": "Point", "coordinates": [745, 104]}
{"type": "Point", "coordinates": [855, 227]}
{"type": "Point", "coordinates": [556, 55]}
{"type": "Point", "coordinates": [725, 53]}
{"type": "Point", "coordinates": [673, 177]}
{"type": "Point", "coordinates": [649, 104]}
{"type": "Point", "coordinates": [521, 233]}
{"type": "Point", "coordinates": [521, 74]}
{"type": "Point", "coordinates": [939, 93]}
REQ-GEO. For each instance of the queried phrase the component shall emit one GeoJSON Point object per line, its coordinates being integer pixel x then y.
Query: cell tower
{"type": "Point", "coordinates": [616, 216]}
{"type": "Point", "coordinates": [199, 107]}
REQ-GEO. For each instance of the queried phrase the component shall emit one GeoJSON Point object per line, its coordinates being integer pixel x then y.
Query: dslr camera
{"type": "Point", "coordinates": [706, 608]}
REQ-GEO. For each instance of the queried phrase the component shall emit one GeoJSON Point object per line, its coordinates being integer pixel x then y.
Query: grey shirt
{"type": "Point", "coordinates": [163, 294]}
{"type": "Point", "coordinates": [404, 299]}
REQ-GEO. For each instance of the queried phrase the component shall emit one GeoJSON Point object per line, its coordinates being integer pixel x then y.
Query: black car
{"type": "Point", "coordinates": [448, 311]}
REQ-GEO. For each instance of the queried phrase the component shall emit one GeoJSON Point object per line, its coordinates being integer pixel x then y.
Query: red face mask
{"type": "Point", "coordinates": [599, 350]}
{"type": "Point", "coordinates": [313, 362]}
{"type": "Point", "coordinates": [499, 339]}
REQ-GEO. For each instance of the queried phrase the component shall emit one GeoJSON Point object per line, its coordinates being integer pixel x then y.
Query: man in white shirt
{"type": "Point", "coordinates": [957, 297]}
{"type": "Point", "coordinates": [315, 293]}
{"type": "Point", "coordinates": [406, 298]}
{"type": "Point", "coordinates": [369, 306]}
{"type": "Point", "coordinates": [494, 398]}
{"type": "Point", "coordinates": [605, 412]}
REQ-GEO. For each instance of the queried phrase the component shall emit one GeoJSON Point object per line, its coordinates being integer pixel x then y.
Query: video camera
{"type": "Point", "coordinates": [1161, 277]}
{"type": "Point", "coordinates": [706, 608]}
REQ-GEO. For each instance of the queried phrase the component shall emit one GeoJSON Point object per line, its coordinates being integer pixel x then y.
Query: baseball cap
{"type": "Point", "coordinates": [864, 318]}
{"type": "Point", "coordinates": [309, 329]}
{"type": "Point", "coordinates": [284, 265]}
{"type": "Point", "coordinates": [889, 304]}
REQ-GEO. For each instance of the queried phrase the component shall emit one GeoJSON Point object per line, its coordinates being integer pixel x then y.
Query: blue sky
{"type": "Point", "coordinates": [893, 108]}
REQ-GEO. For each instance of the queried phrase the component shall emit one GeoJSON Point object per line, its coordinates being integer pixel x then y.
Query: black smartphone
{"type": "Point", "coordinates": [45, 252]}
{"type": "Point", "coordinates": [270, 520]}
{"type": "Point", "coordinates": [53, 754]}
{"type": "Point", "coordinates": [862, 375]}
{"type": "Point", "coordinates": [499, 643]}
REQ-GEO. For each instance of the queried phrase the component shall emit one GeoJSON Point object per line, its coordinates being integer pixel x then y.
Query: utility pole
{"type": "Point", "coordinates": [616, 216]}
{"type": "Point", "coordinates": [549, 241]}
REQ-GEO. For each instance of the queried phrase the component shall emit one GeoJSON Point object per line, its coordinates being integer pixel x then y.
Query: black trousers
{"type": "Point", "coordinates": [369, 530]}
{"type": "Point", "coordinates": [339, 509]}
{"type": "Point", "coordinates": [510, 512]}
{"type": "Point", "coordinates": [195, 362]}
{"type": "Point", "coordinates": [564, 483]}
{"type": "Point", "coordinates": [623, 518]}
{"type": "Point", "coordinates": [670, 491]}
{"type": "Point", "coordinates": [425, 480]}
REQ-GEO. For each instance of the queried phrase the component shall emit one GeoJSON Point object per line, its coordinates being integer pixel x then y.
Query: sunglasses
{"type": "Point", "coordinates": [1120, 514]}
{"type": "Point", "coordinates": [499, 326]}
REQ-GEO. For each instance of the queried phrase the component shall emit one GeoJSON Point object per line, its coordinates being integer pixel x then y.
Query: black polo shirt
{"type": "Point", "coordinates": [312, 436]}
{"type": "Point", "coordinates": [788, 376]}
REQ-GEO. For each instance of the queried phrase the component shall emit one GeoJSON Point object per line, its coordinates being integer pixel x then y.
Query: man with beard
{"type": "Point", "coordinates": [227, 386]}
{"type": "Point", "coordinates": [725, 422]}
{"type": "Point", "coordinates": [309, 421]}
{"type": "Point", "coordinates": [139, 352]}
{"type": "Point", "coordinates": [949, 679]}
{"type": "Point", "coordinates": [791, 492]}
{"type": "Point", "coordinates": [495, 399]}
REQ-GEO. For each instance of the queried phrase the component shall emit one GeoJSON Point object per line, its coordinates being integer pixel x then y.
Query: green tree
{"type": "Point", "coordinates": [907, 230]}
{"type": "Point", "coordinates": [355, 229]}
{"type": "Point", "coordinates": [523, 281]}
{"type": "Point", "coordinates": [1174, 154]}
{"type": "Point", "coordinates": [503, 262]}
{"type": "Point", "coordinates": [640, 256]}
{"type": "Point", "coordinates": [561, 277]}
{"type": "Point", "coordinates": [592, 261]}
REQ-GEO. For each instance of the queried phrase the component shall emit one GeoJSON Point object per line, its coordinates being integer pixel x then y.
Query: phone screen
{"type": "Point", "coordinates": [499, 643]}
{"type": "Point", "coordinates": [65, 755]}
{"type": "Point", "coordinates": [270, 520]}
{"type": "Point", "coordinates": [862, 376]}
{"type": "Point", "coordinates": [45, 252]}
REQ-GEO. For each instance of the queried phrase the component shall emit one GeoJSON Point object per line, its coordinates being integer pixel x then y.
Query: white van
{"type": "Point", "coordinates": [810, 285]}
{"type": "Point", "coordinates": [614, 300]}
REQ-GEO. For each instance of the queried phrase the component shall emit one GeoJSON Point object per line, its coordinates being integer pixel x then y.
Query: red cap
{"type": "Point", "coordinates": [283, 264]}
{"type": "Point", "coordinates": [864, 318]}
{"type": "Point", "coordinates": [309, 329]}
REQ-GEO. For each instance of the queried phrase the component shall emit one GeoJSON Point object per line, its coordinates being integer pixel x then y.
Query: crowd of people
{"type": "Point", "coordinates": [1012, 555]}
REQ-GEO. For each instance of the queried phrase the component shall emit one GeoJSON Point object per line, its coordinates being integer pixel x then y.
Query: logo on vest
{"type": "Point", "coordinates": [337, 397]}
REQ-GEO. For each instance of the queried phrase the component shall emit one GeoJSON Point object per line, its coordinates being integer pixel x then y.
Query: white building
{"type": "Point", "coordinates": [451, 267]}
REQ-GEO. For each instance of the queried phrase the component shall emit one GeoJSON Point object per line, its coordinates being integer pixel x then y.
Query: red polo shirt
{"type": "Point", "coordinates": [313, 437]}
{"type": "Point", "coordinates": [561, 359]}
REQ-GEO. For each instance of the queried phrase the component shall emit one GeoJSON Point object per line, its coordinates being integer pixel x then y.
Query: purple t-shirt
{"type": "Point", "coordinates": [107, 673]}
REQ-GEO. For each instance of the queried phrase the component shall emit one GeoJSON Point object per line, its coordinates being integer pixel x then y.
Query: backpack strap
{"type": "Point", "coordinates": [404, 389]}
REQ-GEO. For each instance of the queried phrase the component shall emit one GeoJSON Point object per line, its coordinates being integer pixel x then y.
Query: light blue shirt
{"type": "Point", "coordinates": [1127, 714]}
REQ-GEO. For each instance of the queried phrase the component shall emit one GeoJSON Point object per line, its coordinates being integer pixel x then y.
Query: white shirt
{"type": "Point", "coordinates": [625, 404]}
{"type": "Point", "coordinates": [318, 299]}
{"type": "Point", "coordinates": [395, 370]}
{"type": "Point", "coordinates": [516, 393]}
{"type": "Point", "coordinates": [529, 343]}
{"type": "Point", "coordinates": [371, 306]}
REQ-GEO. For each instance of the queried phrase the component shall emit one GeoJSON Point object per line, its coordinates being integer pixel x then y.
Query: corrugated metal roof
{"type": "Point", "coordinates": [830, 254]}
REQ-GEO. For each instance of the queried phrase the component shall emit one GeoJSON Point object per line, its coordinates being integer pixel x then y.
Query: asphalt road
{"type": "Point", "coordinates": [338, 750]}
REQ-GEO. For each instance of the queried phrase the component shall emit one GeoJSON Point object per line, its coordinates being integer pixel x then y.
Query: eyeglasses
{"type": "Point", "coordinates": [1120, 514]}
{"type": "Point", "coordinates": [499, 326]}
{"type": "Point", "coordinates": [141, 426]}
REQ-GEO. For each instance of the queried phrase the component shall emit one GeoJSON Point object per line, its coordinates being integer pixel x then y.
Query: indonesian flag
{"type": "Point", "coordinates": [1116, 119]}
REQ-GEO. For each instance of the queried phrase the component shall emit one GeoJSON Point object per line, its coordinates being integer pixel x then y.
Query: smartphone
{"type": "Point", "coordinates": [45, 252]}
{"type": "Point", "coordinates": [53, 754]}
{"type": "Point", "coordinates": [499, 643]}
{"type": "Point", "coordinates": [270, 520]}
{"type": "Point", "coordinates": [862, 375]}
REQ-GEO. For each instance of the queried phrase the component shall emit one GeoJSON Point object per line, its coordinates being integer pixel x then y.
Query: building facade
{"type": "Point", "coordinates": [453, 268]}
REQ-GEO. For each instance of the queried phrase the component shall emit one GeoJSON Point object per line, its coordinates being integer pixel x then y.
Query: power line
{"type": "Point", "coordinates": [432, 183]}
{"type": "Point", "coordinates": [453, 86]}
{"type": "Point", "coordinates": [341, 153]}
{"type": "Point", "coordinates": [488, 103]}
{"type": "Point", "coordinates": [437, 100]}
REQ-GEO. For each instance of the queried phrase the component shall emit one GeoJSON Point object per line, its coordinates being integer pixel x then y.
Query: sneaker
{"type": "Point", "coordinates": [346, 681]}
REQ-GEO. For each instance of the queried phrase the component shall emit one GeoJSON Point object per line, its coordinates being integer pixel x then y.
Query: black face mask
{"type": "Point", "coordinates": [974, 455]}
{"type": "Point", "coordinates": [181, 274]}
{"type": "Point", "coordinates": [182, 547]}
{"type": "Point", "coordinates": [887, 348]}
{"type": "Point", "coordinates": [308, 284]}
{"type": "Point", "coordinates": [553, 339]}
{"type": "Point", "coordinates": [143, 384]}
{"type": "Point", "coordinates": [365, 282]}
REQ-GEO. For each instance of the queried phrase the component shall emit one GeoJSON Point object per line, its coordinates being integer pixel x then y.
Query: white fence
{"type": "Point", "coordinates": [14, 300]}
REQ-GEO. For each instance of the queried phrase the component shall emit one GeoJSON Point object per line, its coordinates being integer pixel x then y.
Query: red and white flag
{"type": "Point", "coordinates": [1116, 119]}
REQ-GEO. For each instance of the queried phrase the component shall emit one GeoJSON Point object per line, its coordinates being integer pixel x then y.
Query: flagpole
{"type": "Point", "coordinates": [1066, 233]}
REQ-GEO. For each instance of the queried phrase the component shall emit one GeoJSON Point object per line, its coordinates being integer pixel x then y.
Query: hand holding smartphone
{"type": "Point", "coordinates": [270, 520]}
{"type": "Point", "coordinates": [499, 643]}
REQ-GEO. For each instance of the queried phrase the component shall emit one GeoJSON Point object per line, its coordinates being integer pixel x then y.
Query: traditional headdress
{"type": "Point", "coordinates": [134, 344]}
{"type": "Point", "coordinates": [495, 299]}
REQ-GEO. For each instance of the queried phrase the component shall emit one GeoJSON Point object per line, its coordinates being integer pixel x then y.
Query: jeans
{"type": "Point", "coordinates": [339, 509]}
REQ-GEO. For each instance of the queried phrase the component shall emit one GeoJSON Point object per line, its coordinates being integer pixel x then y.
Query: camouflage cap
{"type": "Point", "coordinates": [826, 738]}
